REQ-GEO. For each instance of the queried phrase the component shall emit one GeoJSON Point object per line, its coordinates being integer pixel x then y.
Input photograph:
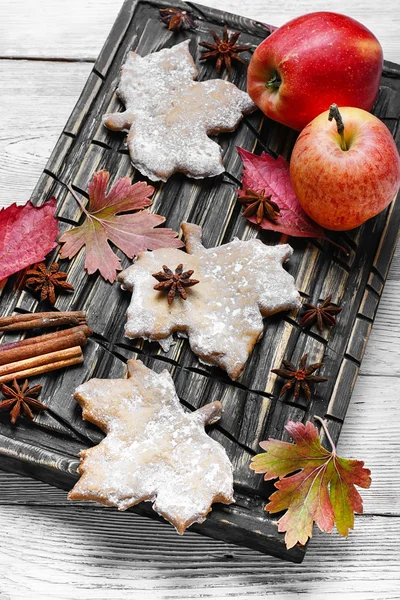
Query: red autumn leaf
{"type": "Point", "coordinates": [272, 175]}
{"type": "Point", "coordinates": [320, 487]}
{"type": "Point", "coordinates": [27, 234]}
{"type": "Point", "coordinates": [132, 233]}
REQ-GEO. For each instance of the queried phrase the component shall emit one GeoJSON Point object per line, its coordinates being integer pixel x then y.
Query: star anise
{"type": "Point", "coordinates": [21, 400]}
{"type": "Point", "coordinates": [322, 314]}
{"type": "Point", "coordinates": [299, 377]}
{"type": "Point", "coordinates": [257, 203]}
{"type": "Point", "coordinates": [174, 282]}
{"type": "Point", "coordinates": [224, 51]}
{"type": "Point", "coordinates": [177, 19]}
{"type": "Point", "coordinates": [47, 281]}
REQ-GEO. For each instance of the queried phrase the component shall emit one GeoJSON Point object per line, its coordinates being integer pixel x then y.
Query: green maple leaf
{"type": "Point", "coordinates": [320, 487]}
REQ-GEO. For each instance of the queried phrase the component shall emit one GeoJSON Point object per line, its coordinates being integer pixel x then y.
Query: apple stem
{"type": "Point", "coordinates": [335, 114]}
{"type": "Point", "coordinates": [274, 83]}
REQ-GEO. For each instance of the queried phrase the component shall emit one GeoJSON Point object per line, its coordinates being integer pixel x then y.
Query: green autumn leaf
{"type": "Point", "coordinates": [314, 485]}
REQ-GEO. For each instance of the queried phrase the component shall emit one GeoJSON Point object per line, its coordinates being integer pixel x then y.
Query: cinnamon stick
{"type": "Point", "coordinates": [43, 364]}
{"type": "Point", "coordinates": [50, 319]}
{"type": "Point", "coordinates": [37, 346]}
{"type": "Point", "coordinates": [33, 372]}
{"type": "Point", "coordinates": [37, 361]}
{"type": "Point", "coordinates": [44, 337]}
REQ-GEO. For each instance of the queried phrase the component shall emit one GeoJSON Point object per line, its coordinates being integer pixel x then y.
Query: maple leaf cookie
{"type": "Point", "coordinates": [221, 311]}
{"type": "Point", "coordinates": [154, 450]}
{"type": "Point", "coordinates": [169, 116]}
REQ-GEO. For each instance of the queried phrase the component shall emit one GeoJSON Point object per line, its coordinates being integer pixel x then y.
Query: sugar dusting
{"type": "Point", "coordinates": [168, 115]}
{"type": "Point", "coordinates": [153, 450]}
{"type": "Point", "coordinates": [240, 283]}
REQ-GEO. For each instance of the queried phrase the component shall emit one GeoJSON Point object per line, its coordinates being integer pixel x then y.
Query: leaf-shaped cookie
{"type": "Point", "coordinates": [239, 283]}
{"type": "Point", "coordinates": [169, 116]}
{"type": "Point", "coordinates": [320, 487]}
{"type": "Point", "coordinates": [132, 233]}
{"type": "Point", "coordinates": [153, 450]}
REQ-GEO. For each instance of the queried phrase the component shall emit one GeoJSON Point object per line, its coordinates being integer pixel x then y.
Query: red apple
{"type": "Point", "coordinates": [344, 176]}
{"type": "Point", "coordinates": [311, 62]}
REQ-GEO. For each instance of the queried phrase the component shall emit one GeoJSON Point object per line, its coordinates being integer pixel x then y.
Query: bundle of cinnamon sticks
{"type": "Point", "coordinates": [37, 355]}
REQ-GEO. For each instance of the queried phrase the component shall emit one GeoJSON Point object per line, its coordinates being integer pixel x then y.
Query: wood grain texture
{"type": "Point", "coordinates": [34, 29]}
{"type": "Point", "coordinates": [252, 409]}
{"type": "Point", "coordinates": [104, 554]}
{"type": "Point", "coordinates": [32, 122]}
{"type": "Point", "coordinates": [76, 30]}
{"type": "Point", "coordinates": [109, 555]}
{"type": "Point", "coordinates": [369, 432]}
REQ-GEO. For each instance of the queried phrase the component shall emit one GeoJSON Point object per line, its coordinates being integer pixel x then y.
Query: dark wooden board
{"type": "Point", "coordinates": [47, 448]}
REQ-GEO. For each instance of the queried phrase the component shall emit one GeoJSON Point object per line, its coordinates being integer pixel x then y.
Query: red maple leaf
{"type": "Point", "coordinates": [132, 233]}
{"type": "Point", "coordinates": [27, 234]}
{"type": "Point", "coordinates": [272, 175]}
{"type": "Point", "coordinates": [320, 487]}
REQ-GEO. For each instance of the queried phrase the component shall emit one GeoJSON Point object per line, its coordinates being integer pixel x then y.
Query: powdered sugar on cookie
{"type": "Point", "coordinates": [169, 116]}
{"type": "Point", "coordinates": [239, 283]}
{"type": "Point", "coordinates": [153, 449]}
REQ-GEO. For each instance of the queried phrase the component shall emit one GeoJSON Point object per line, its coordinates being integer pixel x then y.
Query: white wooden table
{"type": "Point", "coordinates": [52, 549]}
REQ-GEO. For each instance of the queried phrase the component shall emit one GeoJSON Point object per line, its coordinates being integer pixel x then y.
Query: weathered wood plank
{"type": "Point", "coordinates": [332, 563]}
{"type": "Point", "coordinates": [326, 571]}
{"type": "Point", "coordinates": [369, 433]}
{"type": "Point", "coordinates": [109, 555]}
{"type": "Point", "coordinates": [256, 391]}
{"type": "Point", "coordinates": [27, 141]}
{"type": "Point", "coordinates": [76, 30]}
{"type": "Point", "coordinates": [234, 521]}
